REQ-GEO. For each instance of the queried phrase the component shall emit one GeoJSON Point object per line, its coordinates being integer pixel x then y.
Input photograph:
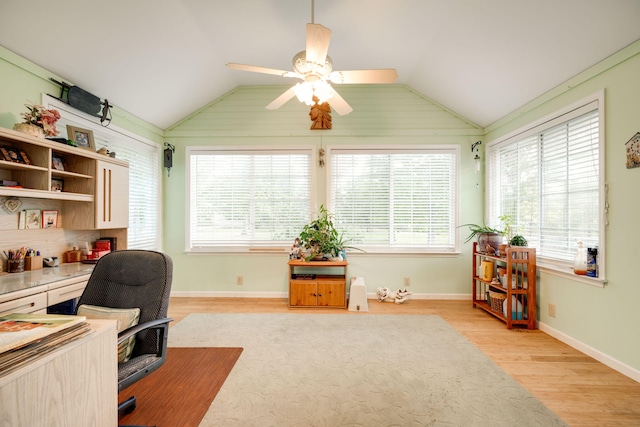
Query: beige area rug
{"type": "Point", "coordinates": [356, 370]}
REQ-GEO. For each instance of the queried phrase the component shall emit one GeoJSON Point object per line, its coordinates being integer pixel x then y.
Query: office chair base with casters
{"type": "Point", "coordinates": [127, 406]}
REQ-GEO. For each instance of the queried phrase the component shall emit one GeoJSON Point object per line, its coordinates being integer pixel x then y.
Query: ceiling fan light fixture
{"type": "Point", "coordinates": [307, 68]}
{"type": "Point", "coordinates": [304, 92]}
{"type": "Point", "coordinates": [311, 92]}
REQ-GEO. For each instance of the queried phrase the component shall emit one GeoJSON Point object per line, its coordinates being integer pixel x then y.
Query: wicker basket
{"type": "Point", "coordinates": [496, 299]}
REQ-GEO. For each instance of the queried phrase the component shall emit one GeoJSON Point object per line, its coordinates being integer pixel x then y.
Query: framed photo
{"type": "Point", "coordinates": [82, 137]}
{"type": "Point", "coordinates": [24, 157]}
{"type": "Point", "coordinates": [57, 163]}
{"type": "Point", "coordinates": [4, 154]}
{"type": "Point", "coordinates": [33, 218]}
{"type": "Point", "coordinates": [12, 155]}
{"type": "Point", "coordinates": [49, 219]}
{"type": "Point", "coordinates": [57, 185]}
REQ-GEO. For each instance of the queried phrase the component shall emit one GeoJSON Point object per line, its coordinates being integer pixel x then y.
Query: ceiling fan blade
{"type": "Point", "coordinates": [386, 75]}
{"type": "Point", "coordinates": [255, 69]}
{"type": "Point", "coordinates": [339, 104]}
{"type": "Point", "coordinates": [282, 99]}
{"type": "Point", "coordinates": [318, 38]}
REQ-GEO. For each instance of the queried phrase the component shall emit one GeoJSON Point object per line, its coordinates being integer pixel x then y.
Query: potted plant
{"type": "Point", "coordinates": [489, 236]}
{"type": "Point", "coordinates": [320, 239]}
{"type": "Point", "coordinates": [518, 240]}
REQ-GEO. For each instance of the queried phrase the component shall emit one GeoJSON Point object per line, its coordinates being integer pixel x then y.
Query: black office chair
{"type": "Point", "coordinates": [129, 279]}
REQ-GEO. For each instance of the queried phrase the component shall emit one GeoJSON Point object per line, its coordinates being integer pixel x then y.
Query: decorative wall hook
{"type": "Point", "coordinates": [168, 157]}
{"type": "Point", "coordinates": [474, 147]}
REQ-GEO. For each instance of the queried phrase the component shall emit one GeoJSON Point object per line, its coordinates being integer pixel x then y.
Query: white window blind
{"type": "Point", "coordinates": [144, 189]}
{"type": "Point", "coordinates": [396, 199]}
{"type": "Point", "coordinates": [548, 181]}
{"type": "Point", "coordinates": [143, 156]}
{"type": "Point", "coordinates": [246, 198]}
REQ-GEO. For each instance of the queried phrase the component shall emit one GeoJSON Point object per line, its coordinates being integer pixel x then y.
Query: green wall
{"type": "Point", "coordinates": [602, 320]}
{"type": "Point", "coordinates": [383, 114]}
{"type": "Point", "coordinates": [29, 81]}
{"type": "Point", "coordinates": [599, 321]}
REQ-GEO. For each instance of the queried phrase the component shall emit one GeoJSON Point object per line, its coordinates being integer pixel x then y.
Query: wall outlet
{"type": "Point", "coordinates": [239, 280]}
{"type": "Point", "coordinates": [407, 281]}
{"type": "Point", "coordinates": [552, 310]}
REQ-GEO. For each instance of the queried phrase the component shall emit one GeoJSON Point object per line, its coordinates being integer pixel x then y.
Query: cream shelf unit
{"type": "Point", "coordinates": [517, 289]}
{"type": "Point", "coordinates": [80, 194]}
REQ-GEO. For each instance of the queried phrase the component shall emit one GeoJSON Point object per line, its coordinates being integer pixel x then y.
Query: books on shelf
{"type": "Point", "coordinates": [26, 337]}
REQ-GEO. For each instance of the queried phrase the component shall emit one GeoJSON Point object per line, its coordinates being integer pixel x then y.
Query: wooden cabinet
{"type": "Point", "coordinates": [112, 195]}
{"type": "Point", "coordinates": [318, 284]}
{"type": "Point", "coordinates": [511, 296]}
{"type": "Point", "coordinates": [93, 188]}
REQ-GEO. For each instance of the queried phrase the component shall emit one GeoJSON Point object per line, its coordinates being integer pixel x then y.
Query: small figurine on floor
{"type": "Point", "coordinates": [399, 296]}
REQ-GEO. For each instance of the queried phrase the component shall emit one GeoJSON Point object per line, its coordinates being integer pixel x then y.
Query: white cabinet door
{"type": "Point", "coordinates": [112, 195]}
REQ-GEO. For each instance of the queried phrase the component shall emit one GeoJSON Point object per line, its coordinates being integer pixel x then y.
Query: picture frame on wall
{"type": "Point", "coordinates": [82, 137]}
{"type": "Point", "coordinates": [49, 219]}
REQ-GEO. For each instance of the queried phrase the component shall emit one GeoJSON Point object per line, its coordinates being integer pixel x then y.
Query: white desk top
{"type": "Point", "coordinates": [47, 277]}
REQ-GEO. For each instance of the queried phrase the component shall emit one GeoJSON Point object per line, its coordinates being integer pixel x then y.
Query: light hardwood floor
{"type": "Point", "coordinates": [579, 389]}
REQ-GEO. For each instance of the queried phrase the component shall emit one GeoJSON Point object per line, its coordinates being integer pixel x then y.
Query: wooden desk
{"type": "Point", "coordinates": [76, 385]}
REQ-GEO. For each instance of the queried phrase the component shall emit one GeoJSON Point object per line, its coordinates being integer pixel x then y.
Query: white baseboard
{"type": "Point", "coordinates": [603, 358]}
{"type": "Point", "coordinates": [285, 295]}
{"type": "Point", "coordinates": [225, 294]}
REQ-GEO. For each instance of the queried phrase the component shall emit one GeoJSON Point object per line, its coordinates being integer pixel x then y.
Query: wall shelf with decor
{"type": "Point", "coordinates": [49, 170]}
{"type": "Point", "coordinates": [506, 284]}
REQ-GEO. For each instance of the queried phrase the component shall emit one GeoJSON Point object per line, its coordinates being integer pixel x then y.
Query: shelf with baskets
{"type": "Point", "coordinates": [506, 284]}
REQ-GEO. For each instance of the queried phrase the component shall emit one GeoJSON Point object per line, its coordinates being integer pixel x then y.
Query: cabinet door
{"type": "Point", "coordinates": [303, 293]}
{"type": "Point", "coordinates": [331, 294]}
{"type": "Point", "coordinates": [112, 195]}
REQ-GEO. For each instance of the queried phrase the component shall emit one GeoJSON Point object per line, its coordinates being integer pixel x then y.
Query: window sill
{"type": "Point", "coordinates": [567, 272]}
{"type": "Point", "coordinates": [278, 250]}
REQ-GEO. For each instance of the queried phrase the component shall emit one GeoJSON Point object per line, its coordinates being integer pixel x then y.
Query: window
{"type": "Point", "coordinates": [144, 188]}
{"type": "Point", "coordinates": [247, 198]}
{"type": "Point", "coordinates": [548, 178]}
{"type": "Point", "coordinates": [396, 199]}
{"type": "Point", "coordinates": [144, 173]}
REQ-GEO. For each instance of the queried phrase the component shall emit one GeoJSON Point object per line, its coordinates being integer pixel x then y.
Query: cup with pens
{"type": "Point", "coordinates": [15, 260]}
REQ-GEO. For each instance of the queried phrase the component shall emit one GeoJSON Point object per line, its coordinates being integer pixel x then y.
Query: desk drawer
{"type": "Point", "coordinates": [65, 293]}
{"type": "Point", "coordinates": [30, 304]}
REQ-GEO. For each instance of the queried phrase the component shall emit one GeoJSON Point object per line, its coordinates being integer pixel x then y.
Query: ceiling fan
{"type": "Point", "coordinates": [315, 68]}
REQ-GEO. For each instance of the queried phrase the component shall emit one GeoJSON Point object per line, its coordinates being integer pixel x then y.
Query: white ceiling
{"type": "Point", "coordinates": [163, 59]}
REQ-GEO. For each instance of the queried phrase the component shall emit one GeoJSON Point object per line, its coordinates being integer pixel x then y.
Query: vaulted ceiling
{"type": "Point", "coordinates": [163, 59]}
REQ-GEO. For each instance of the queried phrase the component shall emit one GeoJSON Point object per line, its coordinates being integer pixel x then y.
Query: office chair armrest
{"type": "Point", "coordinates": [151, 324]}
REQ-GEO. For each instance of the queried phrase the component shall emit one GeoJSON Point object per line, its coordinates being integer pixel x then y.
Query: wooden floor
{"type": "Point", "coordinates": [579, 389]}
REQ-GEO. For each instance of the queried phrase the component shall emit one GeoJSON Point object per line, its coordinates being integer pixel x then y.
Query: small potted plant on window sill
{"type": "Point", "coordinates": [518, 240]}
